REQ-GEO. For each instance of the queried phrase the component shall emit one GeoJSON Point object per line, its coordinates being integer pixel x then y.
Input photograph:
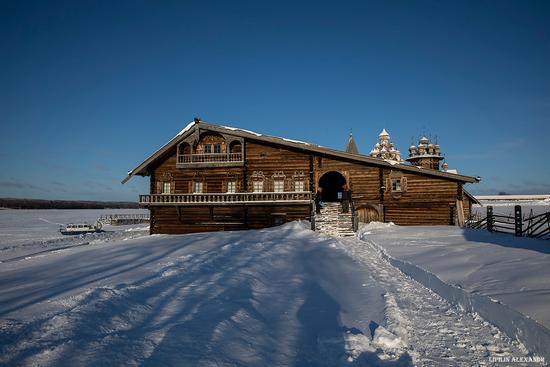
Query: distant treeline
{"type": "Point", "coordinates": [64, 204]}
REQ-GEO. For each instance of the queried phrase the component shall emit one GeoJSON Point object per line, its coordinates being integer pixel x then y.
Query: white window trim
{"type": "Point", "coordinates": [299, 186]}
{"type": "Point", "coordinates": [198, 187]}
{"type": "Point", "coordinates": [279, 185]}
{"type": "Point", "coordinates": [257, 186]}
{"type": "Point", "coordinates": [231, 187]}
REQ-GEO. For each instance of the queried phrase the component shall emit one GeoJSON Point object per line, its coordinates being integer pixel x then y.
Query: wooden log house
{"type": "Point", "coordinates": [210, 178]}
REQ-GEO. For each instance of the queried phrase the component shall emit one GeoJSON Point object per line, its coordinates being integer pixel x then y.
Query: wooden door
{"type": "Point", "coordinates": [368, 214]}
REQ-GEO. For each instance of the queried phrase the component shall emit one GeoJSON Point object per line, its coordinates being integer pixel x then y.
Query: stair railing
{"type": "Point", "coordinates": [354, 221]}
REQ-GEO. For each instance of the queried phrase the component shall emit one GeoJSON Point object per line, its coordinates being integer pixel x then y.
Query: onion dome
{"type": "Point", "coordinates": [426, 154]}
{"type": "Point", "coordinates": [385, 149]}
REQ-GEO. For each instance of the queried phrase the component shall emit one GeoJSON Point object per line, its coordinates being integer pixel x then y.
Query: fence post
{"type": "Point", "coordinates": [312, 216]}
{"type": "Point", "coordinates": [490, 218]}
{"type": "Point", "coordinates": [518, 221]}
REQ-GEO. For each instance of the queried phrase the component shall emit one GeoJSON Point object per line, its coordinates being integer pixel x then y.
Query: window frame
{"type": "Point", "coordinates": [299, 184]}
{"type": "Point", "coordinates": [165, 185]}
{"type": "Point", "coordinates": [198, 187]}
{"type": "Point", "coordinates": [258, 186]}
{"type": "Point", "coordinates": [231, 187]}
{"type": "Point", "coordinates": [396, 185]}
{"type": "Point", "coordinates": [279, 185]}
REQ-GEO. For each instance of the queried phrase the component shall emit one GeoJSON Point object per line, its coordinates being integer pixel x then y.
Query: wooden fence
{"type": "Point", "coordinates": [536, 226]}
{"type": "Point", "coordinates": [122, 219]}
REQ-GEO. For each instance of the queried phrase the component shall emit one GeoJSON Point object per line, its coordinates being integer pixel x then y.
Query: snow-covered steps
{"type": "Point", "coordinates": [333, 221]}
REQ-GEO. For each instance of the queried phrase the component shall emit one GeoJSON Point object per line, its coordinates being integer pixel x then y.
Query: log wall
{"type": "Point", "coordinates": [425, 200]}
{"type": "Point", "coordinates": [186, 219]}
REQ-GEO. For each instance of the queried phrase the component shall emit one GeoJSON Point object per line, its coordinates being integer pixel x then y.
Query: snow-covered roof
{"type": "Point", "coordinates": [142, 169]}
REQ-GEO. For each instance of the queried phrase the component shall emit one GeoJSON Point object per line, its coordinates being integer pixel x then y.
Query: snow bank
{"type": "Point", "coordinates": [418, 250]}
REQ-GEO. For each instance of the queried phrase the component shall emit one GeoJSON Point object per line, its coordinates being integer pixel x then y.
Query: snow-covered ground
{"type": "Point", "coordinates": [275, 297]}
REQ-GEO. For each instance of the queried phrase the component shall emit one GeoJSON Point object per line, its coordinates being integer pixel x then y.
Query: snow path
{"type": "Point", "coordinates": [436, 333]}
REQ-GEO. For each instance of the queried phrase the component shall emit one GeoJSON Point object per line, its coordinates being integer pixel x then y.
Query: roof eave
{"type": "Point", "coordinates": [141, 169]}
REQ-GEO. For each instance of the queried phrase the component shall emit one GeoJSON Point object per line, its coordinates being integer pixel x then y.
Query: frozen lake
{"type": "Point", "coordinates": [26, 231]}
{"type": "Point", "coordinates": [507, 208]}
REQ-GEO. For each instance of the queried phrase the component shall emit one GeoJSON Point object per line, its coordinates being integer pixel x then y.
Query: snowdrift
{"type": "Point", "coordinates": [387, 238]}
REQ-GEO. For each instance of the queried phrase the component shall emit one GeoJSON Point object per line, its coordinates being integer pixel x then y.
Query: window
{"type": "Point", "coordinates": [198, 187]}
{"type": "Point", "coordinates": [396, 184]}
{"type": "Point", "coordinates": [166, 187]}
{"type": "Point", "coordinates": [217, 148]}
{"type": "Point", "coordinates": [207, 148]}
{"type": "Point", "coordinates": [231, 186]}
{"type": "Point", "coordinates": [258, 186]}
{"type": "Point", "coordinates": [299, 185]}
{"type": "Point", "coordinates": [278, 185]}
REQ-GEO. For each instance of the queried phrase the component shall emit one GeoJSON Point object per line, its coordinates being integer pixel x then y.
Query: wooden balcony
{"type": "Point", "coordinates": [241, 198]}
{"type": "Point", "coordinates": [210, 159]}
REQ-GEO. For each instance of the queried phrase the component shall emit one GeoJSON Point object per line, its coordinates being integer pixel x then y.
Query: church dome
{"type": "Point", "coordinates": [385, 149]}
{"type": "Point", "coordinates": [426, 154]}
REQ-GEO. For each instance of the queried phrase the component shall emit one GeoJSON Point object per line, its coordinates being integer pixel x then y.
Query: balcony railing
{"type": "Point", "coordinates": [210, 158]}
{"type": "Point", "coordinates": [226, 199]}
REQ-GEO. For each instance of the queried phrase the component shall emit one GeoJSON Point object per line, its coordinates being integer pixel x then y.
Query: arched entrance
{"type": "Point", "coordinates": [332, 183]}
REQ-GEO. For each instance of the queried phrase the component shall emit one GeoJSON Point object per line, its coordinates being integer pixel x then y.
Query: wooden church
{"type": "Point", "coordinates": [211, 177]}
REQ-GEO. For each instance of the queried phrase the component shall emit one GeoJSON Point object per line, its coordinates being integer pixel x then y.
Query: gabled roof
{"type": "Point", "coordinates": [472, 197]}
{"type": "Point", "coordinates": [142, 169]}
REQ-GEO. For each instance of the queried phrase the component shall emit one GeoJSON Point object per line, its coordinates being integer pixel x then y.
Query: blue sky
{"type": "Point", "coordinates": [88, 89]}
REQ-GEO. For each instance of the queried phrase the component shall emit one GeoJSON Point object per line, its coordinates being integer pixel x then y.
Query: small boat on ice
{"type": "Point", "coordinates": [80, 228]}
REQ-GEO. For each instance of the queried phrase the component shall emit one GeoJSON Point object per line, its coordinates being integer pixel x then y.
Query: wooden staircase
{"type": "Point", "coordinates": [333, 221]}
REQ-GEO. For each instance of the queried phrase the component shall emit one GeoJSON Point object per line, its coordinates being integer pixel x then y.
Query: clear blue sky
{"type": "Point", "coordinates": [88, 89]}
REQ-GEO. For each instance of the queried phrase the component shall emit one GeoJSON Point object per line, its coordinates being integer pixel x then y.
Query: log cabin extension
{"type": "Point", "coordinates": [211, 177]}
